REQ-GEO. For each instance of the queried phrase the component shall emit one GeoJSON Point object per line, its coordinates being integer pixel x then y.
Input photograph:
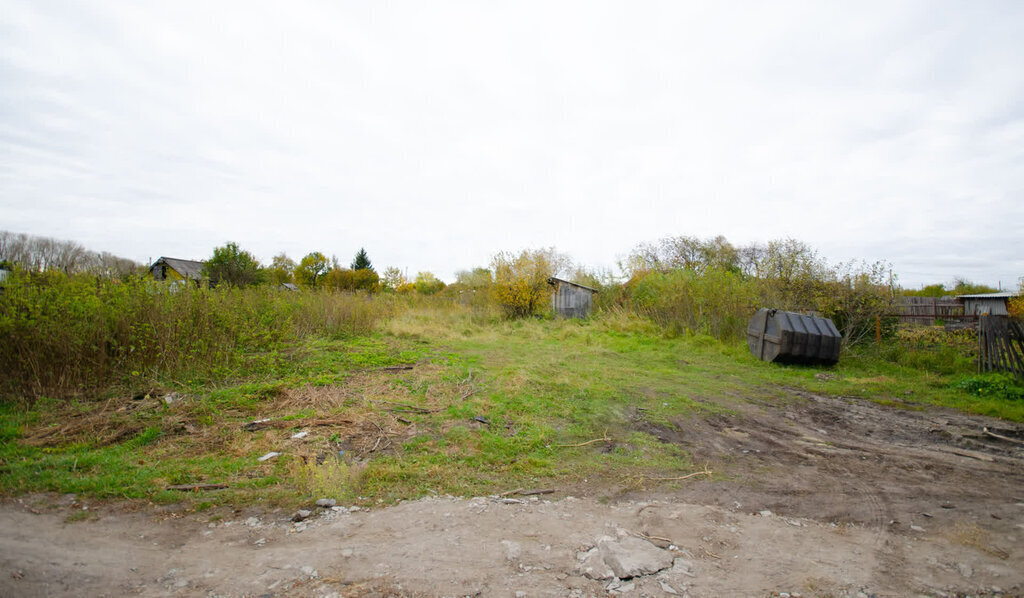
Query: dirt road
{"type": "Point", "coordinates": [815, 496]}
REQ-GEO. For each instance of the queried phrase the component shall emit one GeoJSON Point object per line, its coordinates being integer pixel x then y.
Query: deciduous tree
{"type": "Point", "coordinates": [311, 269]}
{"type": "Point", "coordinates": [233, 266]}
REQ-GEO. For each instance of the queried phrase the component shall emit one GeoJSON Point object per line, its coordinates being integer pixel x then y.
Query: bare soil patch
{"type": "Point", "coordinates": [816, 495]}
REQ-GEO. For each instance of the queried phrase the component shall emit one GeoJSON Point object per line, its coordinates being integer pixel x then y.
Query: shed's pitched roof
{"type": "Point", "coordinates": [187, 268]}
{"type": "Point", "coordinates": [554, 280]}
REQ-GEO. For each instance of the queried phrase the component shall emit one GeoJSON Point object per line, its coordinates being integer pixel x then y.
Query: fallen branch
{"type": "Point", "coordinates": [683, 477]}
{"type": "Point", "coordinates": [536, 492]}
{"type": "Point", "coordinates": [395, 368]}
{"type": "Point", "coordinates": [649, 537]}
{"type": "Point", "coordinates": [604, 438]}
{"type": "Point", "coordinates": [1001, 437]}
{"type": "Point", "coordinates": [196, 487]}
{"type": "Point", "coordinates": [522, 492]}
{"type": "Point", "coordinates": [407, 408]}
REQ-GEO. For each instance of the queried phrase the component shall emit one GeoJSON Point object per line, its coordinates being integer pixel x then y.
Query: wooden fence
{"type": "Point", "coordinates": [1001, 345]}
{"type": "Point", "coordinates": [925, 310]}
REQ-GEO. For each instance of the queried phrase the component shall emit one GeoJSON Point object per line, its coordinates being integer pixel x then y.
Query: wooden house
{"type": "Point", "coordinates": [571, 300]}
{"type": "Point", "coordinates": [173, 269]}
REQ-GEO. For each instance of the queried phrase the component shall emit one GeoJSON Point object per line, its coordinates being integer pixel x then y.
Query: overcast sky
{"type": "Point", "coordinates": [438, 133]}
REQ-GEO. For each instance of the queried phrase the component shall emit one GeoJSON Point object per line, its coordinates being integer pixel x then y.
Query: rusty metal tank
{"type": "Point", "coordinates": [788, 337]}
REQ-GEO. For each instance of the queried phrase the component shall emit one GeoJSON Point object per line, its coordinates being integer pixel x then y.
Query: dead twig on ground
{"type": "Point", "coordinates": [604, 438]}
{"type": "Point", "coordinates": [406, 408]}
{"type": "Point", "coordinates": [522, 492]}
{"type": "Point", "coordinates": [395, 368]}
{"type": "Point", "coordinates": [649, 537]}
{"type": "Point", "coordinates": [1001, 437]}
{"type": "Point", "coordinates": [196, 487]}
{"type": "Point", "coordinates": [682, 477]}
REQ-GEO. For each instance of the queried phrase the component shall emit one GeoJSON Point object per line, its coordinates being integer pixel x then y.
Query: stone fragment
{"type": "Point", "coordinates": [301, 515]}
{"type": "Point", "coordinates": [592, 565]}
{"type": "Point", "coordinates": [326, 502]}
{"type": "Point", "coordinates": [633, 557]}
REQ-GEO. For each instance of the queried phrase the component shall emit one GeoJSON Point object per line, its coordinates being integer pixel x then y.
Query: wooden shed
{"type": "Point", "coordinates": [571, 300]}
{"type": "Point", "coordinates": [986, 304]}
{"type": "Point", "coordinates": [173, 269]}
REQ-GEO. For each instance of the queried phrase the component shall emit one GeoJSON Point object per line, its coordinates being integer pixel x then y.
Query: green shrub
{"type": "Point", "coordinates": [714, 302]}
{"type": "Point", "coordinates": [992, 386]}
{"type": "Point", "coordinates": [64, 336]}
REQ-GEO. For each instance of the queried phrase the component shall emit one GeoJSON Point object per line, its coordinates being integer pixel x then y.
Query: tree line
{"type": "Point", "coordinates": [40, 254]}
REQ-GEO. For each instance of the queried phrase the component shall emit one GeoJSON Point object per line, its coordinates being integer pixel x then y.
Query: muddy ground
{"type": "Point", "coordinates": [813, 496]}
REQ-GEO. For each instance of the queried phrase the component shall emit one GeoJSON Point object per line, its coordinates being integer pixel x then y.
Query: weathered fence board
{"type": "Point", "coordinates": [925, 310]}
{"type": "Point", "coordinates": [1001, 345]}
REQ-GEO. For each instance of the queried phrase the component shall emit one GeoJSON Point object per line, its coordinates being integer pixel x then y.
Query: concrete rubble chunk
{"type": "Point", "coordinates": [301, 515]}
{"type": "Point", "coordinates": [592, 565]}
{"type": "Point", "coordinates": [633, 557]}
{"type": "Point", "coordinates": [326, 502]}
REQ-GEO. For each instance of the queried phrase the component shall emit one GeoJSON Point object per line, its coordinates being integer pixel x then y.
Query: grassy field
{"type": "Point", "coordinates": [443, 399]}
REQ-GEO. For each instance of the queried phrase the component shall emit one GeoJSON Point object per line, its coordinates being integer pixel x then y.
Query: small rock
{"type": "Point", "coordinates": [309, 572]}
{"type": "Point", "coordinates": [512, 501]}
{"type": "Point", "coordinates": [301, 434]}
{"type": "Point", "coordinates": [917, 528]}
{"type": "Point", "coordinates": [765, 513]}
{"type": "Point", "coordinates": [339, 509]}
{"type": "Point", "coordinates": [592, 565]}
{"type": "Point", "coordinates": [252, 522]}
{"type": "Point", "coordinates": [326, 502]}
{"type": "Point", "coordinates": [667, 588]}
{"type": "Point", "coordinates": [965, 569]}
{"type": "Point", "coordinates": [301, 515]}
{"type": "Point", "coordinates": [512, 550]}
{"type": "Point", "coordinates": [299, 527]}
{"type": "Point", "coordinates": [260, 542]}
{"type": "Point", "coordinates": [347, 552]}
{"type": "Point", "coordinates": [633, 557]}
{"type": "Point", "coordinates": [269, 456]}
{"type": "Point", "coordinates": [354, 509]}
{"type": "Point", "coordinates": [520, 594]}
{"type": "Point", "coordinates": [683, 566]}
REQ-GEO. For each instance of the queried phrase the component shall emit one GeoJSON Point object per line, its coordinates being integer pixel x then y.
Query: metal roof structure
{"type": "Point", "coordinates": [1002, 295]}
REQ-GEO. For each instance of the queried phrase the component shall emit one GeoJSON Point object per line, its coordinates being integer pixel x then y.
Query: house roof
{"type": "Point", "coordinates": [1003, 295]}
{"type": "Point", "coordinates": [554, 280]}
{"type": "Point", "coordinates": [187, 268]}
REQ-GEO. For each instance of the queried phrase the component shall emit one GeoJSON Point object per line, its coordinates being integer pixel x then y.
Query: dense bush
{"type": "Point", "coordinates": [64, 335]}
{"type": "Point", "coordinates": [715, 302]}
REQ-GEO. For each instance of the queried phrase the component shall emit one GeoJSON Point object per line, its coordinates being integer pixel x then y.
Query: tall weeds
{"type": "Point", "coordinates": [63, 336]}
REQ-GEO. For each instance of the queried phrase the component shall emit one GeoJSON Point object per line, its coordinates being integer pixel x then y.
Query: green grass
{"type": "Point", "coordinates": [547, 391]}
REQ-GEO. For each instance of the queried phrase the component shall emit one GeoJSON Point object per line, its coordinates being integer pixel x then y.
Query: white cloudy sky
{"type": "Point", "coordinates": [437, 133]}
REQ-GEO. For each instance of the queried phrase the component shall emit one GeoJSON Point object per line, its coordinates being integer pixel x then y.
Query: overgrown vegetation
{"type": "Point", "coordinates": [472, 403]}
{"type": "Point", "coordinates": [121, 388]}
{"type": "Point", "coordinates": [78, 335]}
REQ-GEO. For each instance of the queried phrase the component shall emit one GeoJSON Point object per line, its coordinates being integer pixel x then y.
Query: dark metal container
{"type": "Point", "coordinates": [788, 337]}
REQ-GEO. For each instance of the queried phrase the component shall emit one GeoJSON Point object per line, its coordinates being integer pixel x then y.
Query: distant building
{"type": "Point", "coordinates": [986, 304]}
{"type": "Point", "coordinates": [571, 300]}
{"type": "Point", "coordinates": [173, 269]}
{"type": "Point", "coordinates": [288, 286]}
